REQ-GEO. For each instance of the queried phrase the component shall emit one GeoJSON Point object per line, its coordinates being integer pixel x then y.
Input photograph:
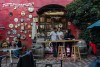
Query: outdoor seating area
{"type": "Point", "coordinates": [38, 58]}
{"type": "Point", "coordinates": [49, 33]}
{"type": "Point", "coordinates": [50, 60]}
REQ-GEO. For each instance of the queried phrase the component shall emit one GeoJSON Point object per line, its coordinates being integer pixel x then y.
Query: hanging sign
{"type": "Point", "coordinates": [18, 5]}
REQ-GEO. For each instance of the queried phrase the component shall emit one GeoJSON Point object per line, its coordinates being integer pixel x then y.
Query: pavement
{"type": "Point", "coordinates": [49, 59]}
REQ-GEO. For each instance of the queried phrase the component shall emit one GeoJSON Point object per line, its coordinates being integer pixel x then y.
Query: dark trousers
{"type": "Point", "coordinates": [68, 45]}
{"type": "Point", "coordinates": [55, 49]}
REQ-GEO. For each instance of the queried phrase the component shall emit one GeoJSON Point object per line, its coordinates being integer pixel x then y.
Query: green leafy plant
{"type": "Point", "coordinates": [82, 12]}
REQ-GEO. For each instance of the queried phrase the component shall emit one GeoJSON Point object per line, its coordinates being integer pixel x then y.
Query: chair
{"type": "Point", "coordinates": [15, 54]}
{"type": "Point", "coordinates": [3, 55]}
{"type": "Point", "coordinates": [26, 60]}
{"type": "Point", "coordinates": [95, 63]}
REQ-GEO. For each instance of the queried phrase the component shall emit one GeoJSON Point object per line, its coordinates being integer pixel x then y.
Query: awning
{"type": "Point", "coordinates": [96, 24]}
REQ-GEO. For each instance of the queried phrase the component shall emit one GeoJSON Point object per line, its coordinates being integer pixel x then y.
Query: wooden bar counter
{"type": "Point", "coordinates": [58, 41]}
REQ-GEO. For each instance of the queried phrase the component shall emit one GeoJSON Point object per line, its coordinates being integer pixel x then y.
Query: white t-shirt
{"type": "Point", "coordinates": [53, 35]}
{"type": "Point", "coordinates": [59, 33]}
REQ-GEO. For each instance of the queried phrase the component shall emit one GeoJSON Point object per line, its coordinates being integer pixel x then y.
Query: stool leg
{"type": "Point", "coordinates": [79, 54]}
{"type": "Point", "coordinates": [74, 54]}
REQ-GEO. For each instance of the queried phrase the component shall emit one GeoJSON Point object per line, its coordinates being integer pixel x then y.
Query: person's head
{"type": "Point", "coordinates": [59, 29]}
{"type": "Point", "coordinates": [54, 29]}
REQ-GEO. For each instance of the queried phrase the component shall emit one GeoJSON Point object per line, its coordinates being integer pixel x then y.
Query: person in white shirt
{"type": "Point", "coordinates": [54, 37]}
{"type": "Point", "coordinates": [60, 36]}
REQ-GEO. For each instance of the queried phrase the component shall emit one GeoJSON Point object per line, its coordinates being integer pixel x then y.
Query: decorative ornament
{"type": "Point", "coordinates": [31, 9]}
{"type": "Point", "coordinates": [18, 35]}
{"type": "Point", "coordinates": [15, 7]}
{"type": "Point", "coordinates": [30, 16]}
{"type": "Point", "coordinates": [16, 19]}
{"type": "Point", "coordinates": [11, 25]}
{"type": "Point", "coordinates": [16, 26]}
{"type": "Point", "coordinates": [29, 26]}
{"type": "Point", "coordinates": [10, 14]}
{"type": "Point", "coordinates": [21, 20]}
{"type": "Point", "coordinates": [23, 13]}
{"type": "Point", "coordinates": [30, 35]}
{"type": "Point", "coordinates": [31, 23]}
{"type": "Point", "coordinates": [22, 28]}
{"type": "Point", "coordinates": [28, 19]}
{"type": "Point", "coordinates": [25, 31]}
{"type": "Point", "coordinates": [25, 24]}
{"type": "Point", "coordinates": [14, 31]}
{"type": "Point", "coordinates": [60, 25]}
{"type": "Point", "coordinates": [8, 32]}
{"type": "Point", "coordinates": [22, 23]}
{"type": "Point", "coordinates": [23, 37]}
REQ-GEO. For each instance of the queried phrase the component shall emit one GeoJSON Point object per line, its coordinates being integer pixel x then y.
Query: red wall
{"type": "Point", "coordinates": [5, 19]}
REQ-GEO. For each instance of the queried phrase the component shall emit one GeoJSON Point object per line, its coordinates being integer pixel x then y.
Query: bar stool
{"type": "Point", "coordinates": [61, 51]}
{"type": "Point", "coordinates": [75, 53]}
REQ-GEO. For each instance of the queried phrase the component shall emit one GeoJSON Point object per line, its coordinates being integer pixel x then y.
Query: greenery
{"type": "Point", "coordinates": [83, 13]}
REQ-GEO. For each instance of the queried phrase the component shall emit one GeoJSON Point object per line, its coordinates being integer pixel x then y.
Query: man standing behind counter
{"type": "Point", "coordinates": [54, 37]}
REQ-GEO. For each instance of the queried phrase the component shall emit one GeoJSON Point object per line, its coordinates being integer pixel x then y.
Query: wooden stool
{"type": "Point", "coordinates": [75, 53]}
{"type": "Point", "coordinates": [61, 51]}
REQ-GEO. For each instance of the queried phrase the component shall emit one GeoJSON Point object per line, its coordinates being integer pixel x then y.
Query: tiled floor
{"type": "Point", "coordinates": [66, 63]}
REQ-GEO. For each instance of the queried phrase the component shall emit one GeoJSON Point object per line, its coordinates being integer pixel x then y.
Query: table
{"type": "Point", "coordinates": [43, 42]}
{"type": "Point", "coordinates": [58, 41]}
